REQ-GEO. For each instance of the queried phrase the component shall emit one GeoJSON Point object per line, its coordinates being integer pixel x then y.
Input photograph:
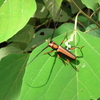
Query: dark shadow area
{"type": "Point", "coordinates": [42, 33]}
{"type": "Point", "coordinates": [67, 60]}
{"type": "Point", "coordinates": [98, 98]}
{"type": "Point", "coordinates": [3, 44]}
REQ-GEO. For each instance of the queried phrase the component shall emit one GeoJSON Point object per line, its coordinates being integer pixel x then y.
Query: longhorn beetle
{"type": "Point", "coordinates": [60, 50]}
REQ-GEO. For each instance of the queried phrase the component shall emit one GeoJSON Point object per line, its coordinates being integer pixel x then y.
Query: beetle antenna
{"type": "Point", "coordinates": [56, 25]}
{"type": "Point", "coordinates": [47, 78]}
{"type": "Point", "coordinates": [38, 54]}
{"type": "Point", "coordinates": [42, 51]}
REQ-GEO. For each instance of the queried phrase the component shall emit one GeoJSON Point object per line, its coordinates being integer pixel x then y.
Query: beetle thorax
{"type": "Point", "coordinates": [53, 45]}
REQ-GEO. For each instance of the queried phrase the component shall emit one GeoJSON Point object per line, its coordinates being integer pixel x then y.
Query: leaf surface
{"type": "Point", "coordinates": [11, 74]}
{"type": "Point", "coordinates": [14, 14]}
{"type": "Point", "coordinates": [64, 81]}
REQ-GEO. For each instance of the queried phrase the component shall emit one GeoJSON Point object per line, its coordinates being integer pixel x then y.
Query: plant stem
{"type": "Point", "coordinates": [72, 1]}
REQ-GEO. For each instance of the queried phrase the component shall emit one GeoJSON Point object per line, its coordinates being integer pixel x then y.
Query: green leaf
{"type": "Point", "coordinates": [53, 6]}
{"type": "Point", "coordinates": [65, 15]}
{"type": "Point", "coordinates": [40, 37]}
{"type": "Point", "coordinates": [14, 14]}
{"type": "Point", "coordinates": [9, 50]}
{"type": "Point", "coordinates": [88, 76]}
{"type": "Point", "coordinates": [65, 82]}
{"type": "Point", "coordinates": [91, 4]}
{"type": "Point", "coordinates": [18, 45]}
{"type": "Point", "coordinates": [74, 8]}
{"type": "Point", "coordinates": [93, 30]}
{"type": "Point", "coordinates": [27, 32]}
{"type": "Point", "coordinates": [1, 2]}
{"type": "Point", "coordinates": [11, 74]}
{"type": "Point", "coordinates": [99, 16]}
{"type": "Point", "coordinates": [41, 11]}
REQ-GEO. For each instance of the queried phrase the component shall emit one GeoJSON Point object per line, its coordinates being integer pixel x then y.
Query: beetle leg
{"type": "Point", "coordinates": [61, 59]}
{"type": "Point", "coordinates": [72, 65]}
{"type": "Point", "coordinates": [76, 47]}
{"type": "Point", "coordinates": [62, 42]}
{"type": "Point", "coordinates": [72, 48]}
{"type": "Point", "coordinates": [81, 47]}
{"type": "Point", "coordinates": [63, 39]}
{"type": "Point", "coordinates": [58, 55]}
{"type": "Point", "coordinates": [68, 60]}
{"type": "Point", "coordinates": [49, 52]}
